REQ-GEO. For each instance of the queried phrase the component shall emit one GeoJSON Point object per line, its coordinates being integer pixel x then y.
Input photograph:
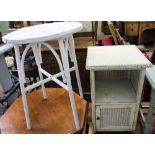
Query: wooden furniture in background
{"type": "Point", "coordinates": [131, 29]}
{"type": "Point", "coordinates": [118, 39]}
{"type": "Point", "coordinates": [19, 24]}
{"type": "Point", "coordinates": [116, 86]}
{"type": "Point", "coordinates": [143, 26]}
{"type": "Point", "coordinates": [105, 27]}
{"type": "Point", "coordinates": [135, 29]}
{"type": "Point", "coordinates": [52, 116]}
{"type": "Point", "coordinates": [94, 30]}
{"type": "Point", "coordinates": [121, 39]}
{"type": "Point", "coordinates": [113, 32]}
{"type": "Point", "coordinates": [153, 55]}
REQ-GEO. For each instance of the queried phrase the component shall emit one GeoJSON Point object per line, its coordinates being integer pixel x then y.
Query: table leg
{"type": "Point", "coordinates": [17, 53]}
{"type": "Point", "coordinates": [148, 122]}
{"type": "Point", "coordinates": [38, 61]}
{"type": "Point", "coordinates": [72, 48]}
{"type": "Point", "coordinates": [39, 50]}
{"type": "Point", "coordinates": [68, 79]}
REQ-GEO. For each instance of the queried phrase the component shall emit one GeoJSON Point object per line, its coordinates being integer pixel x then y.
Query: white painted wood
{"type": "Point", "coordinates": [97, 117]}
{"type": "Point", "coordinates": [50, 78]}
{"type": "Point", "coordinates": [27, 117]}
{"type": "Point", "coordinates": [142, 116]}
{"type": "Point", "coordinates": [5, 47]}
{"type": "Point", "coordinates": [37, 84]}
{"type": "Point", "coordinates": [140, 84]}
{"type": "Point", "coordinates": [68, 79]}
{"type": "Point", "coordinates": [122, 57]}
{"type": "Point", "coordinates": [53, 78]}
{"type": "Point", "coordinates": [36, 55]}
{"type": "Point", "coordinates": [72, 50]}
{"type": "Point", "coordinates": [44, 72]}
{"type": "Point", "coordinates": [43, 32]}
{"type": "Point", "coordinates": [92, 84]}
{"type": "Point", "coordinates": [40, 56]}
{"type": "Point", "coordinates": [139, 93]}
{"type": "Point", "coordinates": [35, 37]}
{"type": "Point", "coordinates": [136, 115]}
{"type": "Point", "coordinates": [22, 62]}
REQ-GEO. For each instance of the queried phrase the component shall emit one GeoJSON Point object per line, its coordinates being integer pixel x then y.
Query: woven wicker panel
{"type": "Point", "coordinates": [115, 74]}
{"type": "Point", "coordinates": [135, 79]}
{"type": "Point", "coordinates": [115, 117]}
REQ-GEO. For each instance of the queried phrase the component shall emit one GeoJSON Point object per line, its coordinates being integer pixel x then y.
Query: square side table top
{"type": "Point", "coordinates": [121, 57]}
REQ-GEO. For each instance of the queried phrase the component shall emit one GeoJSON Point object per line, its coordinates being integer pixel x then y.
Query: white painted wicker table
{"type": "Point", "coordinates": [36, 36]}
{"type": "Point", "coordinates": [117, 76]}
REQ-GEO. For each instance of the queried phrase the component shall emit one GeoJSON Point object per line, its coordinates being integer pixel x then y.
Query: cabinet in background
{"type": "Point", "coordinates": [139, 30]}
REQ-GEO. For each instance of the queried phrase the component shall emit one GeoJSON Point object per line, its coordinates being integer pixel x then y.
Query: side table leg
{"type": "Point", "coordinates": [148, 122]}
{"type": "Point", "coordinates": [72, 48]}
{"type": "Point", "coordinates": [37, 57]}
{"type": "Point", "coordinates": [68, 79]}
{"type": "Point", "coordinates": [22, 87]}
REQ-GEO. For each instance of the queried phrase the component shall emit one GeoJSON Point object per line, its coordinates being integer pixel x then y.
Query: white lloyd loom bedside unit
{"type": "Point", "coordinates": [117, 76]}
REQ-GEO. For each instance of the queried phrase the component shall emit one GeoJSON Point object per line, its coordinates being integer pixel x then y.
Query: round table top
{"type": "Point", "coordinates": [43, 32]}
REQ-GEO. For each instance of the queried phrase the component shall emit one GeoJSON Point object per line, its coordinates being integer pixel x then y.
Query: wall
{"type": "Point", "coordinates": [4, 25]}
{"type": "Point", "coordinates": [87, 26]}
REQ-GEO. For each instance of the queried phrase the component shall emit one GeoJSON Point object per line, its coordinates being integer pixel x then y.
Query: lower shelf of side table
{"type": "Point", "coordinates": [116, 105]}
{"type": "Point", "coordinates": [115, 91]}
